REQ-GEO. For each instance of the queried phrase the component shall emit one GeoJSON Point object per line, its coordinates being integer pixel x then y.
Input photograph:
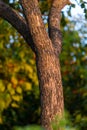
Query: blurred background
{"type": "Point", "coordinates": [19, 88]}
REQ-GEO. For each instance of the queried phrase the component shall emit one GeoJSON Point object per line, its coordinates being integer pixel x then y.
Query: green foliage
{"type": "Point", "coordinates": [19, 92]}
{"type": "Point", "coordinates": [63, 123]}
{"type": "Point", "coordinates": [45, 6]}
{"type": "Point", "coordinates": [33, 127]}
{"type": "Point", "coordinates": [74, 64]}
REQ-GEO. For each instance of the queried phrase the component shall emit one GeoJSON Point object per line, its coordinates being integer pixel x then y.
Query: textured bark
{"type": "Point", "coordinates": [50, 88]}
{"type": "Point", "coordinates": [47, 65]}
{"type": "Point", "coordinates": [47, 51]}
{"type": "Point", "coordinates": [36, 26]}
{"type": "Point", "coordinates": [54, 23]}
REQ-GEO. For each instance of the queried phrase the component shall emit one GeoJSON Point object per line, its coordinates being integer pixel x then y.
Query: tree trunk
{"type": "Point", "coordinates": [47, 49]}
{"type": "Point", "coordinates": [50, 88]}
{"type": "Point", "coordinates": [48, 66]}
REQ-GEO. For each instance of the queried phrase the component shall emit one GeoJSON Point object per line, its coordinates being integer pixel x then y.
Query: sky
{"type": "Point", "coordinates": [78, 15]}
{"type": "Point", "coordinates": [77, 10]}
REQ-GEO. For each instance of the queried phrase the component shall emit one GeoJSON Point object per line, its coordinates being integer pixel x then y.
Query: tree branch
{"type": "Point", "coordinates": [36, 26]}
{"type": "Point", "coordinates": [17, 21]}
{"type": "Point", "coordinates": [54, 23]}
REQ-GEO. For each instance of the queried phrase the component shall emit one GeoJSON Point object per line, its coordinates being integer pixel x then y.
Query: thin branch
{"type": "Point", "coordinates": [17, 21]}
{"type": "Point", "coordinates": [54, 23]}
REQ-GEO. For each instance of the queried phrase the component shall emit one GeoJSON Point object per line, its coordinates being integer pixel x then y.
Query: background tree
{"type": "Point", "coordinates": [74, 71]}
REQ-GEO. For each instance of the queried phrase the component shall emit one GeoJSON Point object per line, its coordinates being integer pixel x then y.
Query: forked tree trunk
{"type": "Point", "coordinates": [47, 49]}
{"type": "Point", "coordinates": [47, 52]}
{"type": "Point", "coordinates": [48, 66]}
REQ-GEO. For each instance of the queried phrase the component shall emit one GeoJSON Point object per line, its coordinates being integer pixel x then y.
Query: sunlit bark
{"type": "Point", "coordinates": [47, 49]}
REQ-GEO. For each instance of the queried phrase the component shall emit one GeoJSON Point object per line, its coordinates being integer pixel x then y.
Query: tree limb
{"type": "Point", "coordinates": [36, 26]}
{"type": "Point", "coordinates": [17, 21]}
{"type": "Point", "coordinates": [54, 24]}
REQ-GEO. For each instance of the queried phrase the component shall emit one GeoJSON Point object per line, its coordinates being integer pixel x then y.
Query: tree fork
{"type": "Point", "coordinates": [48, 66]}
{"type": "Point", "coordinates": [47, 53]}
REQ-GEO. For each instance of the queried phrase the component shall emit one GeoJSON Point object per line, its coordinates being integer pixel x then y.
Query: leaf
{"type": "Point", "coordinates": [14, 80]}
{"type": "Point", "coordinates": [17, 97]}
{"type": "Point", "coordinates": [73, 5]}
{"type": "Point", "coordinates": [15, 105]}
{"type": "Point", "coordinates": [82, 5]}
{"type": "Point", "coordinates": [27, 86]}
{"type": "Point", "coordinates": [19, 90]}
{"type": "Point", "coordinates": [2, 86]}
{"type": "Point", "coordinates": [2, 105]}
{"type": "Point", "coordinates": [10, 89]}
